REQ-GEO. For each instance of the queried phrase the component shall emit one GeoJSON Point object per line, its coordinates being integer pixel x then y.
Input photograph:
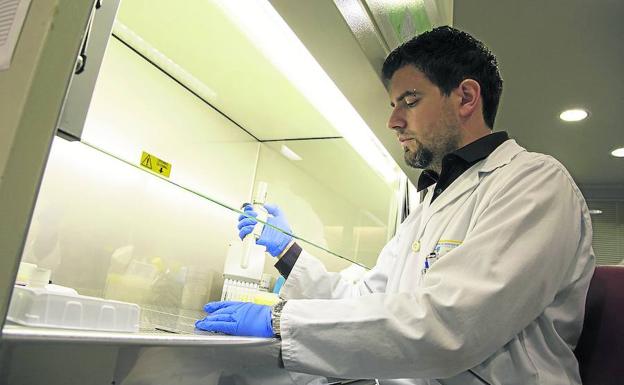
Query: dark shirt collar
{"type": "Point", "coordinates": [426, 179]}
{"type": "Point", "coordinates": [468, 155]}
{"type": "Point", "coordinates": [481, 148]}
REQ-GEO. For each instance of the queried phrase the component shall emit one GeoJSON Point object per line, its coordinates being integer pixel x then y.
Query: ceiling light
{"type": "Point", "coordinates": [290, 154]}
{"type": "Point", "coordinates": [595, 212]}
{"type": "Point", "coordinates": [618, 152]}
{"type": "Point", "coordinates": [274, 38]}
{"type": "Point", "coordinates": [573, 115]}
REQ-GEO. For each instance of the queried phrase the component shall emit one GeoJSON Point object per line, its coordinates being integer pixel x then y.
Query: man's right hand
{"type": "Point", "coordinates": [274, 240]}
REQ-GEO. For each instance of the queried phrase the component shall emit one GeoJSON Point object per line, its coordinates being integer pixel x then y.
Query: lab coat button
{"type": "Point", "coordinates": [416, 246]}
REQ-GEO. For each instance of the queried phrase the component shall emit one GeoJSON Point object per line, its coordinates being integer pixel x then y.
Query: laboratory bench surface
{"type": "Point", "coordinates": [13, 333]}
{"type": "Point", "coordinates": [30, 355]}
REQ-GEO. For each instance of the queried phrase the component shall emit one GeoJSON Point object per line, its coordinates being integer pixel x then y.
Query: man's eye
{"type": "Point", "coordinates": [410, 101]}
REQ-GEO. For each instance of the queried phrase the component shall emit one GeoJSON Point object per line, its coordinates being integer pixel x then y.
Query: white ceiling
{"type": "Point", "coordinates": [555, 55]}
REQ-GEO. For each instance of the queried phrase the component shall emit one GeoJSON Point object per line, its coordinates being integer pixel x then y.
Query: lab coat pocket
{"type": "Point", "coordinates": [441, 248]}
{"type": "Point", "coordinates": [444, 246]}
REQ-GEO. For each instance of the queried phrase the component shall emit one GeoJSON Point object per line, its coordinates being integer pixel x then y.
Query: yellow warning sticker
{"type": "Point", "coordinates": [155, 164]}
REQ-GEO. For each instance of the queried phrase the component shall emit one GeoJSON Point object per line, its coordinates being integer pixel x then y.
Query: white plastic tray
{"type": "Point", "coordinates": [44, 308]}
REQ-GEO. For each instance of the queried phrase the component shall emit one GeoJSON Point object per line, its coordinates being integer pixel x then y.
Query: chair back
{"type": "Point", "coordinates": [600, 350]}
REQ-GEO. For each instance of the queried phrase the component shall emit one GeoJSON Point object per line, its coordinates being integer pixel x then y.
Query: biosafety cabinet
{"type": "Point", "coordinates": [135, 132]}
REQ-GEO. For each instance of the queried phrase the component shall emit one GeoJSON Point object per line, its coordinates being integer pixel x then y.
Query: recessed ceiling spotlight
{"type": "Point", "coordinates": [573, 115]}
{"type": "Point", "coordinates": [618, 152]}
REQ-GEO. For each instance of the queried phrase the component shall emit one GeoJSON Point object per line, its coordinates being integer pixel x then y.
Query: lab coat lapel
{"type": "Point", "coordinates": [460, 187]}
{"type": "Point", "coordinates": [470, 179]}
{"type": "Point", "coordinates": [501, 156]}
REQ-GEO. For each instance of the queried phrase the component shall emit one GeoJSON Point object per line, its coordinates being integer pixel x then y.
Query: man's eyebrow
{"type": "Point", "coordinates": [404, 95]}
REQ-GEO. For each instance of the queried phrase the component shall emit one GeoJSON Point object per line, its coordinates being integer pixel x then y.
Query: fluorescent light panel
{"type": "Point", "coordinates": [288, 153]}
{"type": "Point", "coordinates": [270, 33]}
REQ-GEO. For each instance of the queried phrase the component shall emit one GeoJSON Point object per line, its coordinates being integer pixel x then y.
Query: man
{"type": "Point", "coordinates": [484, 283]}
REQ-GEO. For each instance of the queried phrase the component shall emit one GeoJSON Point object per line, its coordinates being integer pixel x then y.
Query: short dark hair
{"type": "Point", "coordinates": [448, 56]}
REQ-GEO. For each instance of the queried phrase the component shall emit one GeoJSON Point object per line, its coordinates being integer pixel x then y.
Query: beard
{"type": "Point", "coordinates": [421, 158]}
{"type": "Point", "coordinates": [430, 156]}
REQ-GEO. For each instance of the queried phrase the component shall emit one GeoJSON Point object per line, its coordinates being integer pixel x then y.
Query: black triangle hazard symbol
{"type": "Point", "coordinates": [147, 162]}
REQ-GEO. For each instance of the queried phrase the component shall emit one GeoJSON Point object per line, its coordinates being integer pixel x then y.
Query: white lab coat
{"type": "Point", "coordinates": [503, 304]}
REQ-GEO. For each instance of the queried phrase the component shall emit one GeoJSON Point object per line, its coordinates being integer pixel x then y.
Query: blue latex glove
{"type": "Point", "coordinates": [274, 240]}
{"type": "Point", "coordinates": [237, 318]}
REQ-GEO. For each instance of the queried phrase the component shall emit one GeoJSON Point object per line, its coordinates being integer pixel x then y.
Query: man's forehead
{"type": "Point", "coordinates": [407, 78]}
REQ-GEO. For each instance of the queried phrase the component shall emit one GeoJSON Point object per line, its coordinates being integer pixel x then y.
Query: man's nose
{"type": "Point", "coordinates": [396, 121]}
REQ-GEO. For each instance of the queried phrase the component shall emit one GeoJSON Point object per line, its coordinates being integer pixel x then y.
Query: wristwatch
{"type": "Point", "coordinates": [276, 315]}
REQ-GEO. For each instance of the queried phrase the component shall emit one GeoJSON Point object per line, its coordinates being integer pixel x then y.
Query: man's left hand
{"type": "Point", "coordinates": [237, 318]}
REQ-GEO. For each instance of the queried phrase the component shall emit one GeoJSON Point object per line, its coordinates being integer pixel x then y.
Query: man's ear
{"type": "Point", "coordinates": [469, 91]}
